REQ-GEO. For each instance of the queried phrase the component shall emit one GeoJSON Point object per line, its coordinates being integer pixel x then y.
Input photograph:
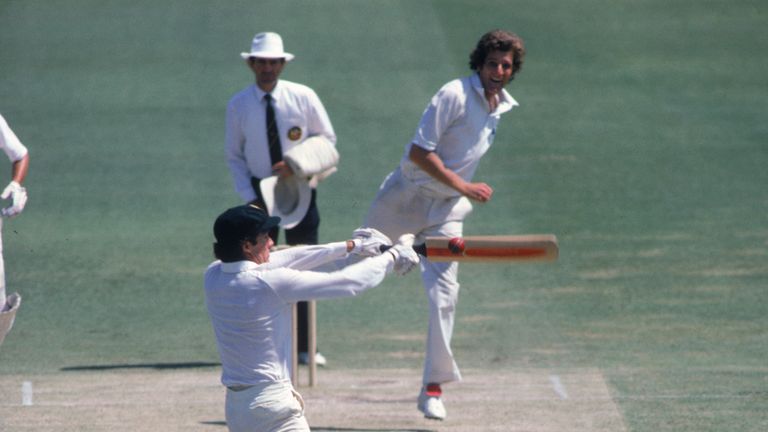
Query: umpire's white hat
{"type": "Point", "coordinates": [267, 45]}
{"type": "Point", "coordinates": [287, 198]}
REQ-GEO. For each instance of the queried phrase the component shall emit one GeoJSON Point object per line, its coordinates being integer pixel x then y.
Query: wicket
{"type": "Point", "coordinates": [311, 344]}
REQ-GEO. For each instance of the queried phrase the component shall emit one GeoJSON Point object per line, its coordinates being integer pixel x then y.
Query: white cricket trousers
{"type": "Point", "coordinates": [269, 407]}
{"type": "Point", "coordinates": [2, 269]}
{"type": "Point", "coordinates": [402, 207]}
{"type": "Point", "coordinates": [8, 305]}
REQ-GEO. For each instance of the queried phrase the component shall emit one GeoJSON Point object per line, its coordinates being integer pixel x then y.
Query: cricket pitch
{"type": "Point", "coordinates": [345, 400]}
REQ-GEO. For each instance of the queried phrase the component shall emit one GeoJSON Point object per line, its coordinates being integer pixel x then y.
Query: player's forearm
{"type": "Point", "coordinates": [20, 169]}
{"type": "Point", "coordinates": [431, 163]}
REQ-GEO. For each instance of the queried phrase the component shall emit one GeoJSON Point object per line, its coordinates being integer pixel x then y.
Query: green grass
{"type": "Point", "coordinates": [640, 141]}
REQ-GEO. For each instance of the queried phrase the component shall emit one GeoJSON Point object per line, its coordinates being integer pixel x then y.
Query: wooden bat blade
{"type": "Point", "coordinates": [522, 248]}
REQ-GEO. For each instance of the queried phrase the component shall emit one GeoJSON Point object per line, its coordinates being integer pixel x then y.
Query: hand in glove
{"type": "Point", "coordinates": [18, 197]}
{"type": "Point", "coordinates": [405, 257]}
{"type": "Point", "coordinates": [368, 242]}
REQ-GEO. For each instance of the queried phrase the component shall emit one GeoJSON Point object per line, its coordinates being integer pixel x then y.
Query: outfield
{"type": "Point", "coordinates": [641, 141]}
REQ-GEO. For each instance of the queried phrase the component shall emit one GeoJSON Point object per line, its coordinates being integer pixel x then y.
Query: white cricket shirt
{"type": "Point", "coordinates": [250, 305]}
{"type": "Point", "coordinates": [459, 128]}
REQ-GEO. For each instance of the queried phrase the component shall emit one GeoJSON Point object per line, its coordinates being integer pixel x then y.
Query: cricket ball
{"type": "Point", "coordinates": [456, 245]}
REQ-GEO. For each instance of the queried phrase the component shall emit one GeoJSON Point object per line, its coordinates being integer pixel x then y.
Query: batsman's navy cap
{"type": "Point", "coordinates": [241, 222]}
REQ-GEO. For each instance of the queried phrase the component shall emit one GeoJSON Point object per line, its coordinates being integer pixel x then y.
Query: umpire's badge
{"type": "Point", "coordinates": [294, 133]}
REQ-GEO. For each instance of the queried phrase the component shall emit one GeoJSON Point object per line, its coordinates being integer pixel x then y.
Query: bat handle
{"type": "Point", "coordinates": [420, 249]}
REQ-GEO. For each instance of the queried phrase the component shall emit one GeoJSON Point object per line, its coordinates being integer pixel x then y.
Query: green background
{"type": "Point", "coordinates": [641, 141]}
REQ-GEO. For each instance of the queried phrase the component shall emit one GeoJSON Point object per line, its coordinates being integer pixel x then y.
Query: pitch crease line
{"type": "Point", "coordinates": [26, 393]}
{"type": "Point", "coordinates": [558, 386]}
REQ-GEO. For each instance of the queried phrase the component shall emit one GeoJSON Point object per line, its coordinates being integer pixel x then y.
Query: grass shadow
{"type": "Point", "coordinates": [336, 429]}
{"type": "Point", "coordinates": [156, 366]}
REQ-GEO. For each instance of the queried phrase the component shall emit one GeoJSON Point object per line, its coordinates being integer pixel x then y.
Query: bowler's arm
{"type": "Point", "coordinates": [430, 162]}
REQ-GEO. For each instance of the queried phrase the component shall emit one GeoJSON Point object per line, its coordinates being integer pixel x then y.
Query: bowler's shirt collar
{"type": "Point", "coordinates": [506, 101]}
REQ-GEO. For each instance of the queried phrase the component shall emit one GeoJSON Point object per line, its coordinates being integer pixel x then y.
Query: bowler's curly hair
{"type": "Point", "coordinates": [498, 40]}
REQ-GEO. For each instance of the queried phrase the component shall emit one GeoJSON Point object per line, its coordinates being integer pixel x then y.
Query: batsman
{"type": "Point", "coordinates": [431, 191]}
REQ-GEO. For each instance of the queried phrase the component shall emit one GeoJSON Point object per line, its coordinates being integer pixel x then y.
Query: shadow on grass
{"type": "Point", "coordinates": [156, 366]}
{"type": "Point", "coordinates": [334, 429]}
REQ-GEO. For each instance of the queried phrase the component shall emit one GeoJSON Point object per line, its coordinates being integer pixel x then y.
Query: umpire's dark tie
{"type": "Point", "coordinates": [275, 152]}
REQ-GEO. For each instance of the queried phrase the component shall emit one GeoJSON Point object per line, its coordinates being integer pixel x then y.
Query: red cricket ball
{"type": "Point", "coordinates": [456, 245]}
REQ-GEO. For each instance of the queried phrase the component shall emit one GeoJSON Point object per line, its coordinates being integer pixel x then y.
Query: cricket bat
{"type": "Point", "coordinates": [513, 248]}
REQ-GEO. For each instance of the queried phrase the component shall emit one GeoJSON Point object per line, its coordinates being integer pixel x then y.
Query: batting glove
{"type": "Point", "coordinates": [18, 195]}
{"type": "Point", "coordinates": [369, 242]}
{"type": "Point", "coordinates": [405, 257]}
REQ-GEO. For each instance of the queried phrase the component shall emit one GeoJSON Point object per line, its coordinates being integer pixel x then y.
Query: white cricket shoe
{"type": "Point", "coordinates": [431, 404]}
{"type": "Point", "coordinates": [319, 359]}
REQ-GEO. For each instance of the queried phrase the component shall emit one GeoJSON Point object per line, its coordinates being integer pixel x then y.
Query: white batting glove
{"type": "Point", "coordinates": [368, 242]}
{"type": "Point", "coordinates": [18, 195]}
{"type": "Point", "coordinates": [405, 257]}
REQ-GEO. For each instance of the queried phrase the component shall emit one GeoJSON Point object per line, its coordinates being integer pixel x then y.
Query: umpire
{"type": "Point", "coordinates": [264, 122]}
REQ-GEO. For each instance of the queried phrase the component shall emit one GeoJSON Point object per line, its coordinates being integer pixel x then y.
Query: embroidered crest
{"type": "Point", "coordinates": [294, 133]}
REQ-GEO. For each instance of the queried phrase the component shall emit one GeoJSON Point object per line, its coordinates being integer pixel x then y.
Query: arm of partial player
{"type": "Point", "coordinates": [294, 285]}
